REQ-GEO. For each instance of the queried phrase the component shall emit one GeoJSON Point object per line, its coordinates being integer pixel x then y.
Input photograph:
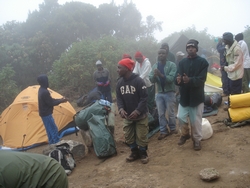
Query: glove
{"type": "Point", "coordinates": [107, 83]}
{"type": "Point", "coordinates": [100, 83]}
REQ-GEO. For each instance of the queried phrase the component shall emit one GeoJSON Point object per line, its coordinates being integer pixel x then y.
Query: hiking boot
{"type": "Point", "coordinates": [173, 132]}
{"type": "Point", "coordinates": [197, 145]}
{"type": "Point", "coordinates": [163, 136]}
{"type": "Point", "coordinates": [134, 155]}
{"type": "Point", "coordinates": [183, 139]}
{"type": "Point", "coordinates": [144, 156]}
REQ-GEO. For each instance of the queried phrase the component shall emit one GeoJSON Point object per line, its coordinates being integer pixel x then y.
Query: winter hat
{"type": "Point", "coordinates": [192, 42]}
{"type": "Point", "coordinates": [228, 36]}
{"type": "Point", "coordinates": [126, 56]}
{"type": "Point", "coordinates": [239, 37]}
{"type": "Point", "coordinates": [129, 63]}
{"type": "Point", "coordinates": [138, 55]}
{"type": "Point", "coordinates": [98, 62]}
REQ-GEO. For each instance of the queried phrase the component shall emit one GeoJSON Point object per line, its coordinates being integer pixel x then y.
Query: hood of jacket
{"type": "Point", "coordinates": [43, 81]}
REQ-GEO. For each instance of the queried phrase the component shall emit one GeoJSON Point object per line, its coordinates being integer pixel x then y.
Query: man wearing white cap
{"type": "Point", "coordinates": [102, 80]}
{"type": "Point", "coordinates": [179, 56]}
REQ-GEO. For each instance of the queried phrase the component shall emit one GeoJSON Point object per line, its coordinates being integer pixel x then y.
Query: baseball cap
{"type": "Point", "coordinates": [98, 62]}
{"type": "Point", "coordinates": [180, 53]}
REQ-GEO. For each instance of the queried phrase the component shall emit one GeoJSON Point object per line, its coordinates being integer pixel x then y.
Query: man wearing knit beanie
{"type": "Point", "coordinates": [131, 95]}
{"type": "Point", "coordinates": [193, 43]}
{"type": "Point", "coordinates": [234, 58]}
{"type": "Point", "coordinates": [228, 37]}
{"type": "Point", "coordinates": [246, 62]}
{"type": "Point", "coordinates": [143, 68]}
{"type": "Point", "coordinates": [190, 77]}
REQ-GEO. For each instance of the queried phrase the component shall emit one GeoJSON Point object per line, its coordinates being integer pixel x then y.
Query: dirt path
{"type": "Point", "coordinates": [170, 165]}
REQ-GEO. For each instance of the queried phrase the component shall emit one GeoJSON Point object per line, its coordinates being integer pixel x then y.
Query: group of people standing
{"type": "Point", "coordinates": [140, 83]}
{"type": "Point", "coordinates": [235, 64]}
{"type": "Point", "coordinates": [168, 82]}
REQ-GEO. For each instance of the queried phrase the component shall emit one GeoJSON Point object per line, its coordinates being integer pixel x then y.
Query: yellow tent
{"type": "Point", "coordinates": [20, 123]}
{"type": "Point", "coordinates": [213, 84]}
{"type": "Point", "coordinates": [213, 80]}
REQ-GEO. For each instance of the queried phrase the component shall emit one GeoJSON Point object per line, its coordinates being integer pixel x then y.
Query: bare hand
{"type": "Point", "coordinates": [64, 100]}
{"type": "Point", "coordinates": [178, 78]}
{"type": "Point", "coordinates": [123, 113]}
{"type": "Point", "coordinates": [133, 115]}
{"type": "Point", "coordinates": [185, 78]}
{"type": "Point", "coordinates": [157, 73]}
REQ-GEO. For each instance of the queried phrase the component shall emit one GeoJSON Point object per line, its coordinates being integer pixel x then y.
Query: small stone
{"type": "Point", "coordinates": [209, 174]}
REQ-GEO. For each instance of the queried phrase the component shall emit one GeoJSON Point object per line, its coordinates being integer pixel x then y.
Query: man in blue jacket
{"type": "Point", "coordinates": [46, 105]}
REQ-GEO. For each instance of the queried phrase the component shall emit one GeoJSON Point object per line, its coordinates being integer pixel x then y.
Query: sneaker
{"type": "Point", "coordinates": [163, 136]}
{"type": "Point", "coordinates": [173, 132]}
{"type": "Point", "coordinates": [183, 139]}
{"type": "Point", "coordinates": [144, 157]}
{"type": "Point", "coordinates": [134, 155]}
{"type": "Point", "coordinates": [197, 145]}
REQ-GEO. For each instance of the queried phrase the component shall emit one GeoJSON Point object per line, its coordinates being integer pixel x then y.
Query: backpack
{"type": "Point", "coordinates": [103, 140]}
{"type": "Point", "coordinates": [64, 156]}
{"type": "Point", "coordinates": [81, 118]}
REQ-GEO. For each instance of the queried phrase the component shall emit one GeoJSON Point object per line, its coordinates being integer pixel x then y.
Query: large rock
{"type": "Point", "coordinates": [78, 149]}
{"type": "Point", "coordinates": [209, 174]}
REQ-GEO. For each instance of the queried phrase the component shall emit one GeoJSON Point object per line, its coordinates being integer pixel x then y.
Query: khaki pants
{"type": "Point", "coordinates": [136, 132]}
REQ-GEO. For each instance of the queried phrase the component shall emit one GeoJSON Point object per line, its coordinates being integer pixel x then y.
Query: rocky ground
{"type": "Point", "coordinates": [170, 165]}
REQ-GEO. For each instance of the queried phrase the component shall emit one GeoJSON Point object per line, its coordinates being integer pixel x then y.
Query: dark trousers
{"type": "Point", "coordinates": [225, 82]}
{"type": "Point", "coordinates": [151, 98]}
{"type": "Point", "coordinates": [246, 80]}
{"type": "Point", "coordinates": [235, 86]}
{"type": "Point", "coordinates": [107, 96]}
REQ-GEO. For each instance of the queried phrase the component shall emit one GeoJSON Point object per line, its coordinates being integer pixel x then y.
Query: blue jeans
{"type": "Point", "coordinates": [51, 129]}
{"type": "Point", "coordinates": [166, 102]}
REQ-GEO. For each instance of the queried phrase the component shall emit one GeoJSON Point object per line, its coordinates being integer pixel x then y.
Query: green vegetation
{"type": "Point", "coordinates": [65, 41]}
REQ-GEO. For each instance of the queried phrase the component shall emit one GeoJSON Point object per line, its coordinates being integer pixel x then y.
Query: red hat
{"type": "Point", "coordinates": [138, 55]}
{"type": "Point", "coordinates": [126, 56]}
{"type": "Point", "coordinates": [129, 63]}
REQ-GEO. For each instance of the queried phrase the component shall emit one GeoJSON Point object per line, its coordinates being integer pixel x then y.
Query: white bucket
{"type": "Point", "coordinates": [207, 130]}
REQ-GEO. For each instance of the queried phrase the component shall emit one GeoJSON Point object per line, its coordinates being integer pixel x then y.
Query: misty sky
{"type": "Point", "coordinates": [218, 16]}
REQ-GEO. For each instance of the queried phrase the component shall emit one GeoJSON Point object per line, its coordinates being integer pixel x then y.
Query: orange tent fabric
{"type": "Point", "coordinates": [20, 123]}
